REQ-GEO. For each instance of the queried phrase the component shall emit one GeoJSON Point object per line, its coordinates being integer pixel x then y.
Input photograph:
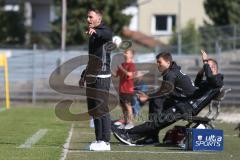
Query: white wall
{"type": "Point", "coordinates": [133, 11]}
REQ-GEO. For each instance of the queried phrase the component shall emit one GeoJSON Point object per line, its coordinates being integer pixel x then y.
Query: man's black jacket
{"type": "Point", "coordinates": [211, 81]}
{"type": "Point", "coordinates": [99, 56]}
{"type": "Point", "coordinates": [182, 85]}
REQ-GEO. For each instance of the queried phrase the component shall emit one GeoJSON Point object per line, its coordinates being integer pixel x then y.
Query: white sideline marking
{"type": "Point", "coordinates": [142, 152]}
{"type": "Point", "coordinates": [227, 135]}
{"type": "Point", "coordinates": [34, 138]}
{"type": "Point", "coordinates": [67, 144]}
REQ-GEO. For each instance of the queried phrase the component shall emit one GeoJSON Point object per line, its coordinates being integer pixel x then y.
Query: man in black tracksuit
{"type": "Point", "coordinates": [213, 82]}
{"type": "Point", "coordinates": [177, 102]}
{"type": "Point", "coordinates": [183, 89]}
{"type": "Point", "coordinates": [213, 78]}
{"type": "Point", "coordinates": [163, 110]}
{"type": "Point", "coordinates": [97, 76]}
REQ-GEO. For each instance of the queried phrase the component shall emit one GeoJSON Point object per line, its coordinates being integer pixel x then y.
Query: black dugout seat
{"type": "Point", "coordinates": [211, 98]}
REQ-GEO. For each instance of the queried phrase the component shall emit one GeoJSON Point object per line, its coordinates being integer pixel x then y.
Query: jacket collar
{"type": "Point", "coordinates": [101, 25]}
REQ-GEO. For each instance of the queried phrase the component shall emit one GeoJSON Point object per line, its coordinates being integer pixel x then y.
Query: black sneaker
{"type": "Point", "coordinates": [122, 136]}
{"type": "Point", "coordinates": [148, 141]}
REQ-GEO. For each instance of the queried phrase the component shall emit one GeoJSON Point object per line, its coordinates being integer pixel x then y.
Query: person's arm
{"type": "Point", "coordinates": [83, 74]}
{"type": "Point", "coordinates": [207, 70]}
{"type": "Point", "coordinates": [115, 74]}
{"type": "Point", "coordinates": [130, 74]}
{"type": "Point", "coordinates": [170, 78]}
{"type": "Point", "coordinates": [104, 33]}
{"type": "Point", "coordinates": [199, 78]}
{"type": "Point", "coordinates": [213, 80]}
{"type": "Point", "coordinates": [204, 56]}
{"type": "Point", "coordinates": [142, 97]}
{"type": "Point", "coordinates": [82, 79]}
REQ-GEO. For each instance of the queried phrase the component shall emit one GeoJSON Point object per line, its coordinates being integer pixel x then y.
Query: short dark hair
{"type": "Point", "coordinates": [214, 61]}
{"type": "Point", "coordinates": [165, 55]}
{"type": "Point", "coordinates": [96, 11]}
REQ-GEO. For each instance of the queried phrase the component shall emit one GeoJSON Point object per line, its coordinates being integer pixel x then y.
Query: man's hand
{"type": "Point", "coordinates": [142, 97]}
{"type": "Point", "coordinates": [90, 31]}
{"type": "Point", "coordinates": [81, 82]}
{"type": "Point", "coordinates": [204, 55]}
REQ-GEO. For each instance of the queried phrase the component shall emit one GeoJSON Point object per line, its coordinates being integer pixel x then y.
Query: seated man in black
{"type": "Point", "coordinates": [151, 129]}
{"type": "Point", "coordinates": [210, 69]}
{"type": "Point", "coordinates": [212, 83]}
{"type": "Point", "coordinates": [162, 113]}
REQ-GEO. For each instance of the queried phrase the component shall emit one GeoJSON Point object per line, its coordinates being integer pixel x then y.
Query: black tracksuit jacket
{"type": "Point", "coordinates": [99, 56]}
{"type": "Point", "coordinates": [211, 81]}
{"type": "Point", "coordinates": [183, 86]}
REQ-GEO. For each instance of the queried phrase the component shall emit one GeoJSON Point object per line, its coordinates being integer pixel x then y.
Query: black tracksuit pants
{"type": "Point", "coordinates": [97, 99]}
{"type": "Point", "coordinates": [158, 107]}
{"type": "Point", "coordinates": [160, 118]}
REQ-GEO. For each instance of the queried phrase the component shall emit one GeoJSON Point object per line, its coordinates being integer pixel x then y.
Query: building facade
{"type": "Point", "coordinates": [159, 18]}
{"type": "Point", "coordinates": [38, 13]}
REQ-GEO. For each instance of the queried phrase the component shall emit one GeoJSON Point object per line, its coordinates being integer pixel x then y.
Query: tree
{"type": "Point", "coordinates": [190, 38]}
{"type": "Point", "coordinates": [77, 14]}
{"type": "Point", "coordinates": [12, 29]}
{"type": "Point", "coordinates": [223, 12]}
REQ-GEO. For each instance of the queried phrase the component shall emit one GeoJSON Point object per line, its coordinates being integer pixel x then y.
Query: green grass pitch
{"type": "Point", "coordinates": [20, 123]}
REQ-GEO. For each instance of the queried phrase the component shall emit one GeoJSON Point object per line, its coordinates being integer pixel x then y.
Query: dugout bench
{"type": "Point", "coordinates": [213, 100]}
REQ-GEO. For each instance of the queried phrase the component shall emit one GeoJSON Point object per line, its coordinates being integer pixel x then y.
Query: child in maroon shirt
{"type": "Point", "coordinates": [126, 72]}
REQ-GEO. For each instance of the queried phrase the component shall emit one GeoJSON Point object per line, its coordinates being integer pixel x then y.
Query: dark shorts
{"type": "Point", "coordinates": [126, 98]}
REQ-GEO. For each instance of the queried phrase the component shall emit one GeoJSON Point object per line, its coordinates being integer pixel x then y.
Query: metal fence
{"type": "Point", "coordinates": [210, 38]}
{"type": "Point", "coordinates": [29, 72]}
{"type": "Point", "coordinates": [29, 69]}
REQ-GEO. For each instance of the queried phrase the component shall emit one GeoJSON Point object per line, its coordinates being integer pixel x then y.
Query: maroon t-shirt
{"type": "Point", "coordinates": [126, 84]}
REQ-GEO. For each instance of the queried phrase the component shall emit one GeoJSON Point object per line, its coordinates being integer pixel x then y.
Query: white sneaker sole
{"type": "Point", "coordinates": [128, 127]}
{"type": "Point", "coordinates": [117, 123]}
{"type": "Point", "coordinates": [122, 140]}
{"type": "Point", "coordinates": [101, 150]}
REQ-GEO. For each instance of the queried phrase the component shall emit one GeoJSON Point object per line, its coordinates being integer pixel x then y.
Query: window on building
{"type": "Point", "coordinates": [163, 24]}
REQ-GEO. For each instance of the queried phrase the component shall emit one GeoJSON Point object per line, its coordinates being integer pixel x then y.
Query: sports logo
{"type": "Point", "coordinates": [207, 139]}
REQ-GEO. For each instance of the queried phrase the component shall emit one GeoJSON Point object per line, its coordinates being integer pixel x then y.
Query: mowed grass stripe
{"type": "Point", "coordinates": [34, 138]}
{"type": "Point", "coordinates": [83, 135]}
{"type": "Point", "coordinates": [21, 122]}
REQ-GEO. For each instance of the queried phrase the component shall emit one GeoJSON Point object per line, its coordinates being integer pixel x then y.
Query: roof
{"type": "Point", "coordinates": [141, 38]}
